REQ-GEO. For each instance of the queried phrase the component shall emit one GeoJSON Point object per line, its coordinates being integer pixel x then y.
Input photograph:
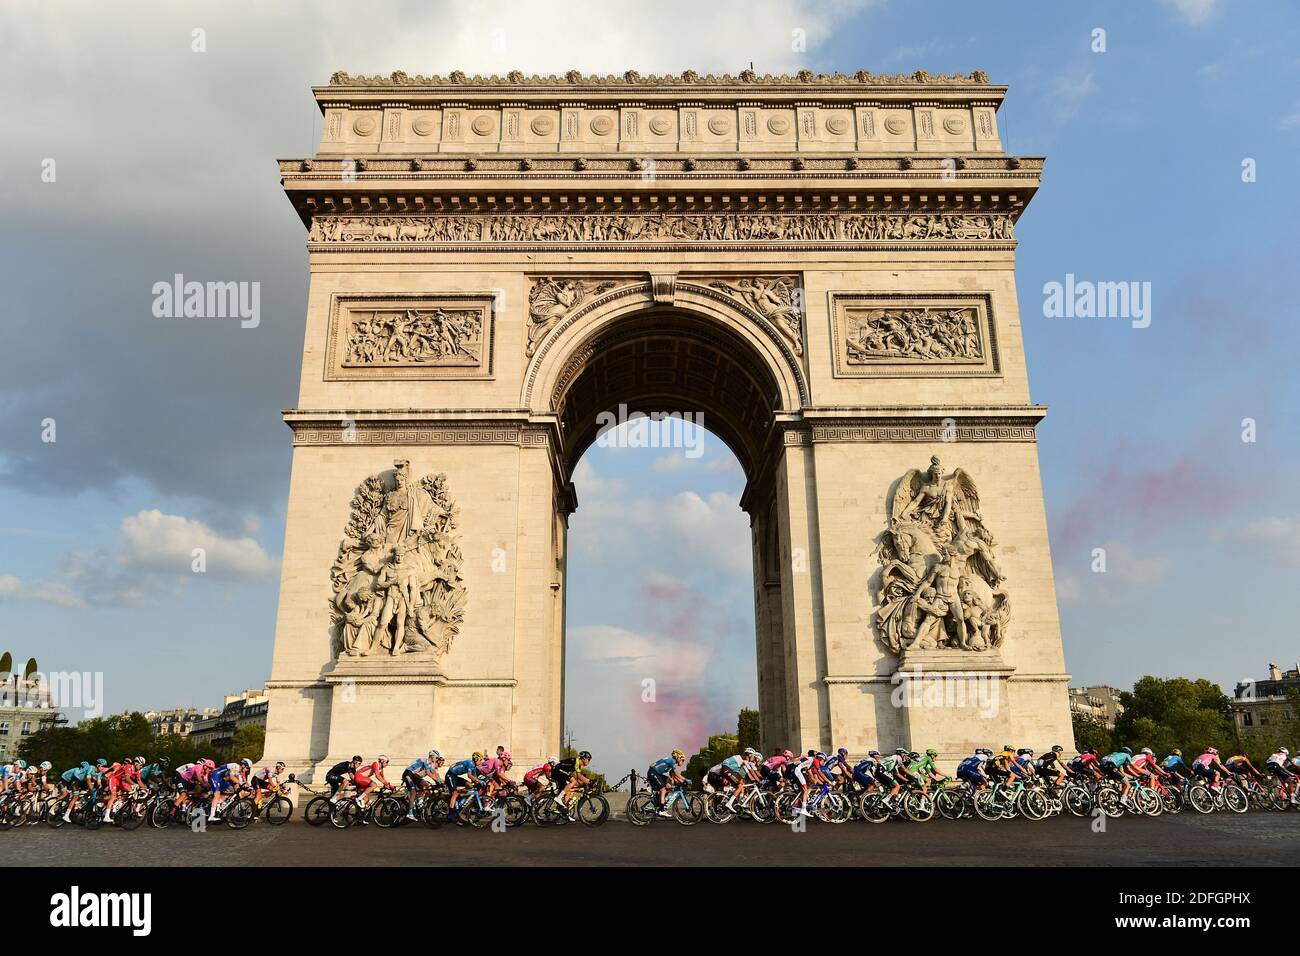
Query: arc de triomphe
{"type": "Point", "coordinates": [822, 266]}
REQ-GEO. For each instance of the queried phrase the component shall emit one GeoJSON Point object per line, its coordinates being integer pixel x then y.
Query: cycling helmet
{"type": "Point", "coordinates": [787, 755]}
{"type": "Point", "coordinates": [139, 761]}
{"type": "Point", "coordinates": [476, 756]}
{"type": "Point", "coordinates": [249, 764]}
{"type": "Point", "coordinates": [931, 752]}
{"type": "Point", "coordinates": [434, 755]}
{"type": "Point", "coordinates": [1091, 750]}
{"type": "Point", "coordinates": [505, 755]}
{"type": "Point", "coordinates": [900, 751]}
{"type": "Point", "coordinates": [1057, 748]}
{"type": "Point", "coordinates": [21, 764]}
{"type": "Point", "coordinates": [873, 753]}
{"type": "Point", "coordinates": [279, 765]}
{"type": "Point", "coordinates": [584, 755]}
{"type": "Point", "coordinates": [1281, 750]}
{"type": "Point", "coordinates": [382, 758]}
{"type": "Point", "coordinates": [751, 752]}
{"type": "Point", "coordinates": [1024, 751]}
{"type": "Point", "coordinates": [208, 764]}
{"type": "Point", "coordinates": [356, 758]}
{"type": "Point", "coordinates": [1213, 750]}
{"type": "Point", "coordinates": [820, 755]}
{"type": "Point", "coordinates": [678, 755]}
{"type": "Point", "coordinates": [1146, 750]}
{"type": "Point", "coordinates": [164, 762]}
{"type": "Point", "coordinates": [46, 765]}
{"type": "Point", "coordinates": [1006, 747]}
{"type": "Point", "coordinates": [552, 760]}
{"type": "Point", "coordinates": [843, 752]}
{"type": "Point", "coordinates": [101, 762]}
{"type": "Point", "coordinates": [1127, 750]}
{"type": "Point", "coordinates": [1178, 753]}
{"type": "Point", "coordinates": [914, 755]}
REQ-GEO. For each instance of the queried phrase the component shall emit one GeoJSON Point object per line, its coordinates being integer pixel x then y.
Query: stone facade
{"type": "Point", "coordinates": [821, 266]}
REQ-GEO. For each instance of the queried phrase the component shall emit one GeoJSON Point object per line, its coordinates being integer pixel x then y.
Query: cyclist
{"type": "Point", "coordinates": [456, 779]}
{"type": "Point", "coordinates": [1021, 769]}
{"type": "Point", "coordinates": [1050, 768]}
{"type": "Point", "coordinates": [1115, 766]}
{"type": "Point", "coordinates": [925, 770]}
{"type": "Point", "coordinates": [224, 780]}
{"type": "Point", "coordinates": [836, 767]}
{"type": "Point", "coordinates": [493, 770]}
{"type": "Point", "coordinates": [773, 768]}
{"type": "Point", "coordinates": [1175, 766]}
{"type": "Point", "coordinates": [744, 768]}
{"type": "Point", "coordinates": [122, 776]}
{"type": "Point", "coordinates": [370, 778]}
{"type": "Point", "coordinates": [570, 774]}
{"type": "Point", "coordinates": [188, 779]}
{"type": "Point", "coordinates": [663, 773]}
{"type": "Point", "coordinates": [1240, 766]}
{"type": "Point", "coordinates": [798, 770]}
{"type": "Point", "coordinates": [1209, 766]}
{"type": "Point", "coordinates": [1143, 767]}
{"type": "Point", "coordinates": [864, 771]}
{"type": "Point", "coordinates": [154, 775]}
{"type": "Point", "coordinates": [75, 781]}
{"type": "Point", "coordinates": [899, 772]}
{"type": "Point", "coordinates": [341, 773]}
{"type": "Point", "coordinates": [971, 770]}
{"type": "Point", "coordinates": [535, 780]}
{"type": "Point", "coordinates": [998, 766]}
{"type": "Point", "coordinates": [10, 774]}
{"type": "Point", "coordinates": [1086, 766]}
{"type": "Point", "coordinates": [267, 782]}
{"type": "Point", "coordinates": [1277, 766]}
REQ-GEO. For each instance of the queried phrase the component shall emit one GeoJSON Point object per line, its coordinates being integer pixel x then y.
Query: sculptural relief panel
{"type": "Point", "coordinates": [903, 334]}
{"type": "Point", "coordinates": [410, 337]}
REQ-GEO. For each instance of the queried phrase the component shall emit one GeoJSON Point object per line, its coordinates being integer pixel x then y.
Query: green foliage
{"type": "Point", "coordinates": [719, 747]}
{"type": "Point", "coordinates": [1177, 713]}
{"type": "Point", "coordinates": [747, 729]}
{"type": "Point", "coordinates": [1091, 732]}
{"type": "Point", "coordinates": [113, 738]}
{"type": "Point", "coordinates": [248, 741]}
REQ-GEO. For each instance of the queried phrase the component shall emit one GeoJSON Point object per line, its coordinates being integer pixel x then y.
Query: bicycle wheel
{"type": "Point", "coordinates": [239, 813]}
{"type": "Point", "coordinates": [837, 809]}
{"type": "Point", "coordinates": [278, 811]}
{"type": "Point", "coordinates": [1148, 801]}
{"type": "Point", "coordinates": [950, 804]}
{"type": "Point", "coordinates": [716, 809]}
{"type": "Point", "coordinates": [1234, 798]}
{"type": "Point", "coordinates": [1201, 799]}
{"type": "Point", "coordinates": [1107, 800]}
{"type": "Point", "coordinates": [547, 811]}
{"type": "Point", "coordinates": [871, 807]}
{"type": "Point", "coordinates": [688, 809]}
{"type": "Point", "coordinates": [1076, 801]}
{"type": "Point", "coordinates": [317, 811]}
{"type": "Point", "coordinates": [985, 806]}
{"type": "Point", "coordinates": [1031, 804]}
{"type": "Point", "coordinates": [516, 809]}
{"type": "Point", "coordinates": [918, 807]}
{"type": "Point", "coordinates": [762, 809]}
{"type": "Point", "coordinates": [130, 815]}
{"type": "Point", "coordinates": [641, 809]}
{"type": "Point", "coordinates": [435, 810]}
{"type": "Point", "coordinates": [54, 818]}
{"type": "Point", "coordinates": [593, 809]}
{"type": "Point", "coordinates": [344, 814]}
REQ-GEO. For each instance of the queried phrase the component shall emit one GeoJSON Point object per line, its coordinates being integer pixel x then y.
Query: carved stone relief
{"type": "Point", "coordinates": [939, 584]}
{"type": "Point", "coordinates": [396, 582]}
{"type": "Point", "coordinates": [779, 299]}
{"type": "Point", "coordinates": [913, 334]}
{"type": "Point", "coordinates": [410, 336]}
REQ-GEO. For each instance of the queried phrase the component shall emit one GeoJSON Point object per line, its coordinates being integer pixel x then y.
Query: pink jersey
{"type": "Point", "coordinates": [775, 762]}
{"type": "Point", "coordinates": [490, 767]}
{"type": "Point", "coordinates": [1205, 760]}
{"type": "Point", "coordinates": [1143, 762]}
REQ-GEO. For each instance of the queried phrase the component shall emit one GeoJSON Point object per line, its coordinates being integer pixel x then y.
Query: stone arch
{"type": "Point", "coordinates": [676, 344]}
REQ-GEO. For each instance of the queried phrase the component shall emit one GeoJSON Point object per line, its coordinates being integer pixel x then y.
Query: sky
{"type": "Point", "coordinates": [168, 434]}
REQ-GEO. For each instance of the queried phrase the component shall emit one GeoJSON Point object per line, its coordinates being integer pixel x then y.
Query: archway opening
{"type": "Point", "coordinates": [667, 424]}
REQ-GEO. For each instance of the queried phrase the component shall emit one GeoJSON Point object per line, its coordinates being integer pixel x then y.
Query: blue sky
{"type": "Point", "coordinates": [168, 434]}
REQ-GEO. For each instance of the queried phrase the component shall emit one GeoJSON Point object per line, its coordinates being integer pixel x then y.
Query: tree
{"type": "Point", "coordinates": [590, 773]}
{"type": "Point", "coordinates": [1189, 715]}
{"type": "Point", "coordinates": [112, 738]}
{"type": "Point", "coordinates": [747, 729]}
{"type": "Point", "coordinates": [1090, 732]}
{"type": "Point", "coordinates": [248, 741]}
{"type": "Point", "coordinates": [719, 747]}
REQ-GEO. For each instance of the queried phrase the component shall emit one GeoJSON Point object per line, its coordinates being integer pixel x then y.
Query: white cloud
{"type": "Point", "coordinates": [1279, 534]}
{"type": "Point", "coordinates": [1070, 90]}
{"type": "Point", "coordinates": [1194, 12]}
{"type": "Point", "coordinates": [155, 541]}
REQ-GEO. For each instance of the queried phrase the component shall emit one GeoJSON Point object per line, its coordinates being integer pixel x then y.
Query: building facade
{"type": "Point", "coordinates": [247, 708]}
{"type": "Point", "coordinates": [1264, 711]}
{"type": "Point", "coordinates": [24, 709]}
{"type": "Point", "coordinates": [820, 266]}
{"type": "Point", "coordinates": [1099, 703]}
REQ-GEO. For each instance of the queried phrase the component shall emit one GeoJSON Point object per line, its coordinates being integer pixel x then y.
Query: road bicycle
{"type": "Point", "coordinates": [586, 804]}
{"type": "Point", "coordinates": [684, 807]}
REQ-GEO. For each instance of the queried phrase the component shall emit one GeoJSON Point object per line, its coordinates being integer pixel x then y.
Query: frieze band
{"type": "Point", "coordinates": [662, 227]}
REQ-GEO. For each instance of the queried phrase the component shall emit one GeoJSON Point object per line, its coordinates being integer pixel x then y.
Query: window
{"type": "Point", "coordinates": [4, 728]}
{"type": "Point", "coordinates": [1247, 718]}
{"type": "Point", "coordinates": [27, 727]}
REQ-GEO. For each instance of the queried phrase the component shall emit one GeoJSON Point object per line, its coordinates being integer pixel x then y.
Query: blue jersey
{"type": "Point", "coordinates": [866, 765]}
{"type": "Point", "coordinates": [1173, 762]}
{"type": "Point", "coordinates": [1119, 758]}
{"type": "Point", "coordinates": [665, 766]}
{"type": "Point", "coordinates": [831, 763]}
{"type": "Point", "coordinates": [420, 766]}
{"type": "Point", "coordinates": [736, 766]}
{"type": "Point", "coordinates": [462, 767]}
{"type": "Point", "coordinates": [972, 764]}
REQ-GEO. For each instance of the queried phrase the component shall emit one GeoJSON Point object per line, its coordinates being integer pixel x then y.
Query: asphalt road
{"type": "Point", "coordinates": [1185, 840]}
